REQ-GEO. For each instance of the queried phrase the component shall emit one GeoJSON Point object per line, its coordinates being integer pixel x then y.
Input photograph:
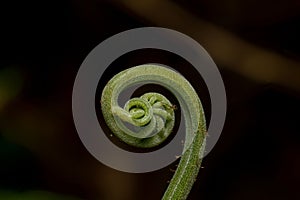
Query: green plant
{"type": "Point", "coordinates": [154, 113]}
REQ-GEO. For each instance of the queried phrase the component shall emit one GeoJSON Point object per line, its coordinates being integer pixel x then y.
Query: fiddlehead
{"type": "Point", "coordinates": [154, 115]}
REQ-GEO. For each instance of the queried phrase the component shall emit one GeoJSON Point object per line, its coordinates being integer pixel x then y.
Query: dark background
{"type": "Point", "coordinates": [255, 44]}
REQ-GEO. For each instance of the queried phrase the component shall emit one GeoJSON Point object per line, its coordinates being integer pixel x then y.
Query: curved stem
{"type": "Point", "coordinates": [153, 115]}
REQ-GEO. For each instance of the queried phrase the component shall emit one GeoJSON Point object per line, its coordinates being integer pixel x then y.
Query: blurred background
{"type": "Point", "coordinates": [255, 44]}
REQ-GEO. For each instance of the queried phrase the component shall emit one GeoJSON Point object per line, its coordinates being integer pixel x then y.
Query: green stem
{"type": "Point", "coordinates": [153, 115]}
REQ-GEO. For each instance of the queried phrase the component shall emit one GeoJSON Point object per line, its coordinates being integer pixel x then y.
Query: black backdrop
{"type": "Point", "coordinates": [42, 46]}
